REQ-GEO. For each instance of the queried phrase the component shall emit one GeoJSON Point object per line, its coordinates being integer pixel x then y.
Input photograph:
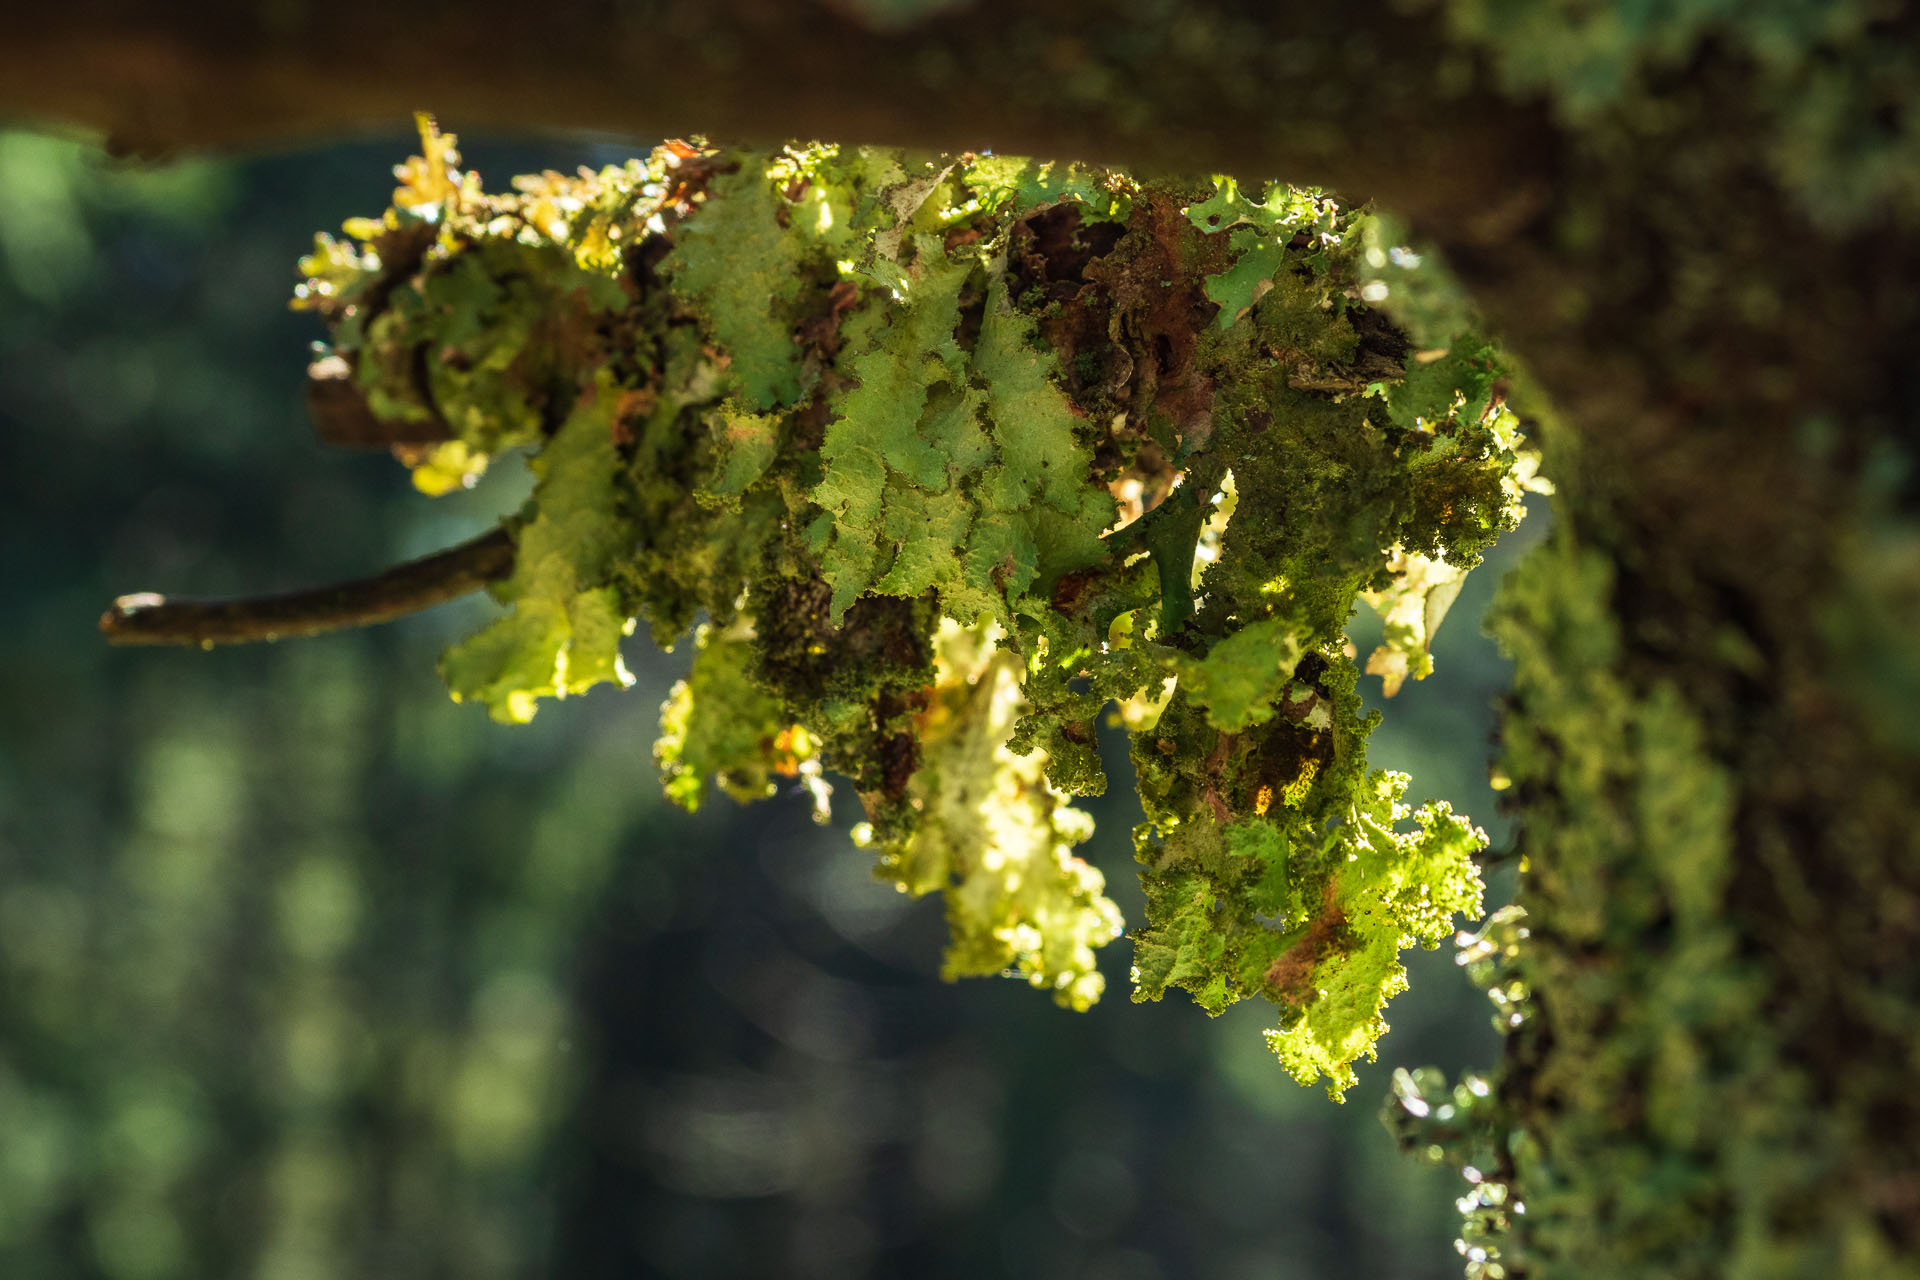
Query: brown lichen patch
{"type": "Point", "coordinates": [1156, 278]}
{"type": "Point", "coordinates": [1051, 253]}
{"type": "Point", "coordinates": [895, 755]}
{"type": "Point", "coordinates": [819, 336]}
{"type": "Point", "coordinates": [1124, 308]}
{"type": "Point", "coordinates": [1289, 979]}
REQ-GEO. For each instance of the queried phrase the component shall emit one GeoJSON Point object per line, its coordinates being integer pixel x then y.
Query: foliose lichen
{"type": "Point", "coordinates": [952, 454]}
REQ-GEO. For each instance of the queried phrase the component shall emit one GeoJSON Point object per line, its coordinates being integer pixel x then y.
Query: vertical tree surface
{"type": "Point", "coordinates": [1696, 231]}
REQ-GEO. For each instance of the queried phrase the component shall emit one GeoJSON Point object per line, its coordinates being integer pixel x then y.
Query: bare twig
{"type": "Point", "coordinates": [147, 618]}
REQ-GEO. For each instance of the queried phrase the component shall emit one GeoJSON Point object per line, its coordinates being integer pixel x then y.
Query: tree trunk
{"type": "Point", "coordinates": [1715, 731]}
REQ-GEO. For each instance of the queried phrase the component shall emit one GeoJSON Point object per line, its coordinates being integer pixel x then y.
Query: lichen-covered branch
{"type": "Point", "coordinates": [1698, 231]}
{"type": "Point", "coordinates": [1366, 99]}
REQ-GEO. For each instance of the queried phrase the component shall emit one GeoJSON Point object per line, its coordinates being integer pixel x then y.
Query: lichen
{"type": "Point", "coordinates": [952, 453]}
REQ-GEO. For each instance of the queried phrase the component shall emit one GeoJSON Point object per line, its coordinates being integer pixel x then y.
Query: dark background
{"type": "Point", "coordinates": [307, 972]}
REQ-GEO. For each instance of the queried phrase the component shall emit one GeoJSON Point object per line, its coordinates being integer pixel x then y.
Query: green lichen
{"type": "Point", "coordinates": [953, 454]}
{"type": "Point", "coordinates": [993, 836]}
{"type": "Point", "coordinates": [718, 727]}
{"type": "Point", "coordinates": [563, 634]}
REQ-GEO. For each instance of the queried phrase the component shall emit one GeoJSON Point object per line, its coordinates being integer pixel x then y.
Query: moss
{"type": "Point", "coordinates": [1654, 1116]}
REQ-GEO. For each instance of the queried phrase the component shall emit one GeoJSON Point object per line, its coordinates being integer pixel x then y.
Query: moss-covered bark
{"type": "Point", "coordinates": [1710, 734]}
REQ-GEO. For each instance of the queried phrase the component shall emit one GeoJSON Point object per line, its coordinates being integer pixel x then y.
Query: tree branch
{"type": "Point", "coordinates": [147, 618]}
{"type": "Point", "coordinates": [1367, 98]}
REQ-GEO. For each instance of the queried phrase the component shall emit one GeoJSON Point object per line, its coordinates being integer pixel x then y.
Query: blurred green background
{"type": "Point", "coordinates": [306, 972]}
